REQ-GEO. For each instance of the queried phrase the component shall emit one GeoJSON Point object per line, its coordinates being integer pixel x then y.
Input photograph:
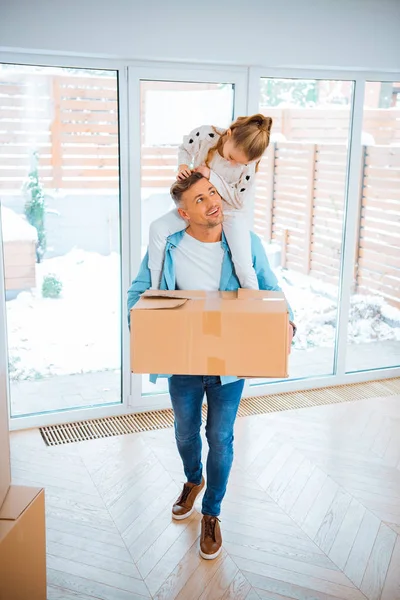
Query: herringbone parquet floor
{"type": "Point", "coordinates": [312, 511]}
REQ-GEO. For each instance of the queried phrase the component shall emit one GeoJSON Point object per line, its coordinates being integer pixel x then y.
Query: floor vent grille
{"type": "Point", "coordinates": [92, 429]}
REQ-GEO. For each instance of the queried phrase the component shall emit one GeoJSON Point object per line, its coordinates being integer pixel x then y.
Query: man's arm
{"type": "Point", "coordinates": [139, 285]}
{"type": "Point", "coordinates": [266, 278]}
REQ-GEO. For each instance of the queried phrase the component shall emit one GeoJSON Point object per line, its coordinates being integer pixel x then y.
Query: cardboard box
{"type": "Point", "coordinates": [243, 333]}
{"type": "Point", "coordinates": [23, 545]}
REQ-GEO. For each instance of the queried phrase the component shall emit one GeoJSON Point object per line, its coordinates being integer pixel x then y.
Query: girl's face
{"type": "Point", "coordinates": [232, 153]}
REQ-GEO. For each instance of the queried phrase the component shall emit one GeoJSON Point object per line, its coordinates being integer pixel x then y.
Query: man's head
{"type": "Point", "coordinates": [197, 201]}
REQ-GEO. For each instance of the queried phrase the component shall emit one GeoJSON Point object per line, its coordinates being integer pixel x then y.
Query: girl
{"type": "Point", "coordinates": [229, 159]}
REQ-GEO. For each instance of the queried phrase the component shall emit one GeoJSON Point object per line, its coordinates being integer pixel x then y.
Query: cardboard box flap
{"type": "Point", "coordinates": [167, 299]}
{"type": "Point", "coordinates": [156, 303]}
{"type": "Point", "coordinates": [187, 294]}
{"type": "Point", "coordinates": [16, 501]}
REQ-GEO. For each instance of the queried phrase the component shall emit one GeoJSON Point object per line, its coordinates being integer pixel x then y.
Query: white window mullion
{"type": "Point", "coordinates": [350, 229]}
{"type": "Point", "coordinates": [135, 206]}
{"type": "Point", "coordinates": [124, 158]}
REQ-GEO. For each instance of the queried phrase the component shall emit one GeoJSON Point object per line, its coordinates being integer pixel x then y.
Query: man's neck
{"type": "Point", "coordinates": [207, 235]}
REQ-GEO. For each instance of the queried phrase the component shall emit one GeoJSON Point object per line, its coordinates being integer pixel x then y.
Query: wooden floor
{"type": "Point", "coordinates": [312, 511]}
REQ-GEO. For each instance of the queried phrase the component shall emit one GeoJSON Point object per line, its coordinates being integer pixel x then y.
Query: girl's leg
{"type": "Point", "coordinates": [160, 229]}
{"type": "Point", "coordinates": [239, 241]}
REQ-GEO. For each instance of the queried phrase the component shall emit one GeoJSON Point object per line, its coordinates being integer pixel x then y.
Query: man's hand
{"type": "Point", "coordinates": [291, 334]}
{"type": "Point", "coordinates": [205, 171]}
{"type": "Point", "coordinates": [184, 171]}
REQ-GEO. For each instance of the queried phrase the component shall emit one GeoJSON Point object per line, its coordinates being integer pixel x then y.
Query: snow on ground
{"type": "Point", "coordinates": [81, 331]}
{"type": "Point", "coordinates": [371, 319]}
{"type": "Point", "coordinates": [78, 332]}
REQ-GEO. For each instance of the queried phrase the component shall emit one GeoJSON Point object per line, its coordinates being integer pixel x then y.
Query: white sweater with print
{"type": "Point", "coordinates": [234, 183]}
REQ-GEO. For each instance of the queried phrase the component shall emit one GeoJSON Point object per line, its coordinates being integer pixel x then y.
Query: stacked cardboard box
{"type": "Point", "coordinates": [22, 545]}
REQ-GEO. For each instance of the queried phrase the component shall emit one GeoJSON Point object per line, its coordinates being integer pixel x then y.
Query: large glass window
{"type": "Point", "coordinates": [60, 205]}
{"type": "Point", "coordinates": [299, 207]}
{"type": "Point", "coordinates": [374, 321]}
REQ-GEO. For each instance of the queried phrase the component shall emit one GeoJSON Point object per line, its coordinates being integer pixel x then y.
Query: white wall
{"type": "Point", "coordinates": [335, 33]}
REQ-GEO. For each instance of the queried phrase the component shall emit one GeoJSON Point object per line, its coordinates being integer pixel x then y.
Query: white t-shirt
{"type": "Point", "coordinates": [198, 264]}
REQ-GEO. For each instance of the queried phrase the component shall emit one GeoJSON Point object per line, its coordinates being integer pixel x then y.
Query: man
{"type": "Point", "coordinates": [199, 258]}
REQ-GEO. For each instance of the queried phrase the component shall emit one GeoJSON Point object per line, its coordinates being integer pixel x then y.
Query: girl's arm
{"type": "Point", "coordinates": [192, 143]}
{"type": "Point", "coordinates": [236, 194]}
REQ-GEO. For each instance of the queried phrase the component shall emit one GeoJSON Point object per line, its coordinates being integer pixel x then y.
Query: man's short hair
{"type": "Point", "coordinates": [180, 187]}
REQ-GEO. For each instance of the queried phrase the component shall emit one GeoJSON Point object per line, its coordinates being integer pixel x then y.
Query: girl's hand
{"type": "Point", "coordinates": [205, 171]}
{"type": "Point", "coordinates": [183, 172]}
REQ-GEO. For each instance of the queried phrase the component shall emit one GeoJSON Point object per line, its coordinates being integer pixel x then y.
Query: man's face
{"type": "Point", "coordinates": [202, 205]}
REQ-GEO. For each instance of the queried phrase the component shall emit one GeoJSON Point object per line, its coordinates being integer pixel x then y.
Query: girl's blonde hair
{"type": "Point", "coordinates": [249, 134]}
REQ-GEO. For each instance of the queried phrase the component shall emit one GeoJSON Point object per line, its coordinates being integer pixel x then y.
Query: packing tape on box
{"type": "Point", "coordinates": [212, 323]}
{"type": "Point", "coordinates": [216, 365]}
{"type": "Point", "coordinates": [212, 317]}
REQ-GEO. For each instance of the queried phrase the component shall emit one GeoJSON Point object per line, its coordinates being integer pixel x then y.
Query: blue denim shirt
{"type": "Point", "coordinates": [229, 281]}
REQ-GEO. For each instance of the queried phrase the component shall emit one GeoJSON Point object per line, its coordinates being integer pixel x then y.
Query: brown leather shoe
{"type": "Point", "coordinates": [184, 506]}
{"type": "Point", "coordinates": [210, 538]}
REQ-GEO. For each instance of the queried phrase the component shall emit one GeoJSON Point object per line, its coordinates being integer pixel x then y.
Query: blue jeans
{"type": "Point", "coordinates": [187, 393]}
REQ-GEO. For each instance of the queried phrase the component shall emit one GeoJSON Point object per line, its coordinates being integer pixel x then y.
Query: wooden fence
{"type": "Point", "coordinates": [331, 125]}
{"type": "Point", "coordinates": [378, 251]}
{"type": "Point", "coordinates": [72, 122]}
{"type": "Point", "coordinates": [300, 202]}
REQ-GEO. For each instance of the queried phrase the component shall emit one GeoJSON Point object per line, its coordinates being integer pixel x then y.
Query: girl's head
{"type": "Point", "coordinates": [245, 141]}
